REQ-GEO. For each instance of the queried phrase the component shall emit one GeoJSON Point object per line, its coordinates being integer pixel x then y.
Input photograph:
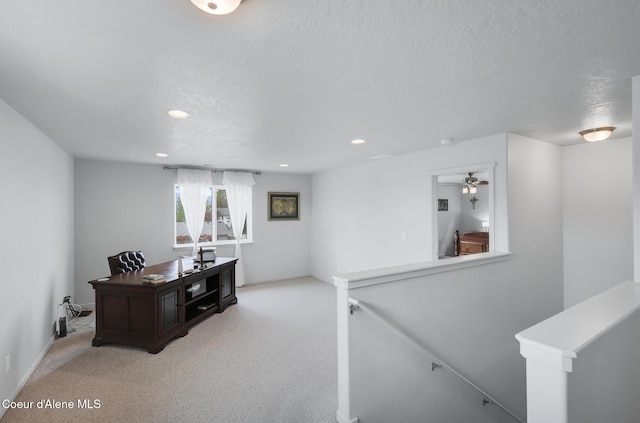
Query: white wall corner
{"type": "Point", "coordinates": [636, 175]}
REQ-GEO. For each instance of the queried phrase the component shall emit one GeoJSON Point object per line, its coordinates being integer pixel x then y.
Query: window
{"type": "Point", "coordinates": [217, 227]}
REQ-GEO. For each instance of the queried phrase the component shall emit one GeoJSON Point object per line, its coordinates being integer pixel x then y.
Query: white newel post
{"type": "Point", "coordinates": [343, 414]}
{"type": "Point", "coordinates": [551, 346]}
{"type": "Point", "coordinates": [547, 370]}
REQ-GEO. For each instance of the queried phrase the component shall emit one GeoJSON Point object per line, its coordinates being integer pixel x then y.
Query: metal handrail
{"type": "Point", "coordinates": [436, 361]}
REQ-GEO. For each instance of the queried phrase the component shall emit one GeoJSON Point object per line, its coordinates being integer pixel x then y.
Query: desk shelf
{"type": "Point", "coordinates": [200, 297]}
{"type": "Point", "coordinates": [192, 311]}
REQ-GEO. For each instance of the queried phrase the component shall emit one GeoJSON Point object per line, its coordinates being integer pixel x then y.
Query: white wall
{"type": "Point", "coordinates": [281, 248]}
{"type": "Point", "coordinates": [598, 239]}
{"type": "Point", "coordinates": [468, 317]}
{"type": "Point", "coordinates": [122, 206]}
{"type": "Point", "coordinates": [535, 220]}
{"type": "Point", "coordinates": [36, 222]}
{"type": "Point", "coordinates": [605, 381]}
{"type": "Point", "coordinates": [360, 212]}
{"type": "Point", "coordinates": [636, 179]}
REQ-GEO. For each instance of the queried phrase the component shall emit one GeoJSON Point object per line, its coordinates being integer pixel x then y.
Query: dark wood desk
{"type": "Point", "coordinates": [131, 311]}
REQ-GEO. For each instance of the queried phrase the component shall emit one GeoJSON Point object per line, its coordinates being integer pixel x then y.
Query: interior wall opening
{"type": "Point", "coordinates": [464, 210]}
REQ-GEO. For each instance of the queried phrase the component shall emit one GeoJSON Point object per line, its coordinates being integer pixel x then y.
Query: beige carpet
{"type": "Point", "coordinates": [269, 358]}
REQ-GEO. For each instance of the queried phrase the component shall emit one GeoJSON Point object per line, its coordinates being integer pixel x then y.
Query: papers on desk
{"type": "Point", "coordinates": [151, 278]}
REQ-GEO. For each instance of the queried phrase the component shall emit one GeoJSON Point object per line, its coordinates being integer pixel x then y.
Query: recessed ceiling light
{"type": "Point", "coordinates": [162, 155]}
{"type": "Point", "coordinates": [284, 165]}
{"type": "Point", "coordinates": [358, 141]}
{"type": "Point", "coordinates": [178, 114]}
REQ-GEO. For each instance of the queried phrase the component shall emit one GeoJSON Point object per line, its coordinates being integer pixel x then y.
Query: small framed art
{"type": "Point", "coordinates": [443, 204]}
{"type": "Point", "coordinates": [284, 206]}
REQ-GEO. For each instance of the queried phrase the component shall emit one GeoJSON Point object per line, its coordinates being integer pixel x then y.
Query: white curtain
{"type": "Point", "coordinates": [238, 187]}
{"type": "Point", "coordinates": [194, 188]}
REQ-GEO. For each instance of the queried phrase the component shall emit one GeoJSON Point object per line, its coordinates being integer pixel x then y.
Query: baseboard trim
{"type": "Point", "coordinates": [26, 377]}
{"type": "Point", "coordinates": [342, 419]}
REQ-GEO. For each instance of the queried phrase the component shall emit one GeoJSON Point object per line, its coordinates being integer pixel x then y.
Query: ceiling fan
{"type": "Point", "coordinates": [472, 181]}
{"type": "Point", "coordinates": [470, 186]}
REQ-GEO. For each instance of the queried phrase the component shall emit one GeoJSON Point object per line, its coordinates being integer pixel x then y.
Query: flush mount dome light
{"type": "Point", "coordinates": [217, 7]}
{"type": "Point", "coordinates": [178, 114]}
{"type": "Point", "coordinates": [597, 134]}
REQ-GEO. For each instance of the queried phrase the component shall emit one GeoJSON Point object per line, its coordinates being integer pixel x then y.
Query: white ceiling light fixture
{"type": "Point", "coordinates": [162, 155]}
{"type": "Point", "coordinates": [217, 7]}
{"type": "Point", "coordinates": [178, 114]}
{"type": "Point", "coordinates": [358, 141]}
{"type": "Point", "coordinates": [597, 134]}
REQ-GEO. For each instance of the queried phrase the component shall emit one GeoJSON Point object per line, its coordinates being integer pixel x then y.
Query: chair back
{"type": "Point", "coordinates": [126, 261]}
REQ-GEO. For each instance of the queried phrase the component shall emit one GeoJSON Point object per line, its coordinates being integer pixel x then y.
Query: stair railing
{"type": "Point", "coordinates": [436, 362]}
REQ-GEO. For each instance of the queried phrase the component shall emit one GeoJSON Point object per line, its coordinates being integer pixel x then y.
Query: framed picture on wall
{"type": "Point", "coordinates": [284, 206]}
{"type": "Point", "coordinates": [443, 204]}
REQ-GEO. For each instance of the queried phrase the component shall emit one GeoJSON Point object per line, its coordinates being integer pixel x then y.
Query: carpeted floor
{"type": "Point", "coordinates": [270, 358]}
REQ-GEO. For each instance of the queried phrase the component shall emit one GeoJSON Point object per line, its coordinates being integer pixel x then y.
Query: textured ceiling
{"type": "Point", "coordinates": [293, 81]}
